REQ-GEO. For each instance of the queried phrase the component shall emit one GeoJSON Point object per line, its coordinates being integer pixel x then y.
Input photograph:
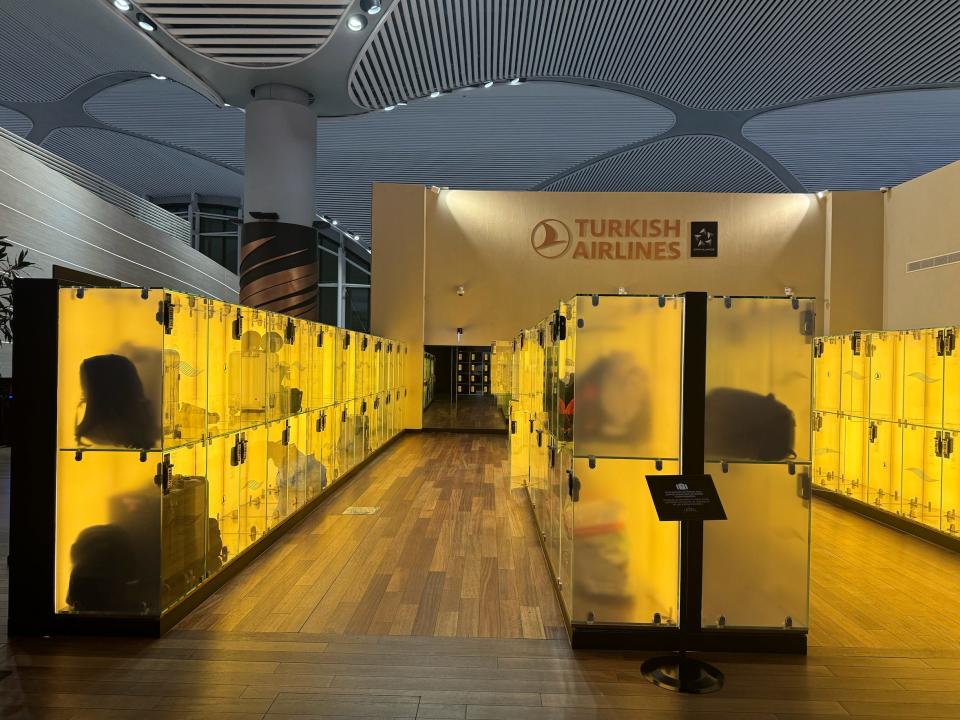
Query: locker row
{"type": "Point", "coordinates": [153, 369]}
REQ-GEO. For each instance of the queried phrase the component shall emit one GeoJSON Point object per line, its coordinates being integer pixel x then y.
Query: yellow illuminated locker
{"type": "Point", "coordinates": [884, 466]}
{"type": "Point", "coordinates": [628, 392]}
{"type": "Point", "coordinates": [224, 325]}
{"type": "Point", "coordinates": [827, 432]}
{"type": "Point", "coordinates": [247, 369]}
{"type": "Point", "coordinates": [285, 493]}
{"type": "Point", "coordinates": [922, 474]}
{"type": "Point", "coordinates": [111, 365]}
{"type": "Point", "coordinates": [537, 484]}
{"type": "Point", "coordinates": [288, 361]}
{"type": "Point", "coordinates": [564, 471]}
{"type": "Point", "coordinates": [756, 565]}
{"type": "Point", "coordinates": [519, 445]}
{"type": "Point", "coordinates": [626, 562]}
{"type": "Point", "coordinates": [554, 479]}
{"type": "Point", "coordinates": [253, 486]}
{"type": "Point", "coordinates": [854, 388]}
{"type": "Point", "coordinates": [184, 404]}
{"type": "Point", "coordinates": [364, 360]}
{"type": "Point", "coordinates": [322, 450]}
{"type": "Point", "coordinates": [322, 366]}
{"type": "Point", "coordinates": [828, 372]}
{"type": "Point", "coordinates": [224, 456]}
{"type": "Point", "coordinates": [950, 494]}
{"type": "Point", "coordinates": [922, 378]}
{"type": "Point", "coordinates": [346, 372]}
{"type": "Point", "coordinates": [951, 380]}
{"type": "Point", "coordinates": [853, 457]}
{"type": "Point", "coordinates": [886, 375]}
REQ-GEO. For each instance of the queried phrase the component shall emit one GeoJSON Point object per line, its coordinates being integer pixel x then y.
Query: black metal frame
{"type": "Point", "coordinates": [33, 488]}
{"type": "Point", "coordinates": [689, 634]}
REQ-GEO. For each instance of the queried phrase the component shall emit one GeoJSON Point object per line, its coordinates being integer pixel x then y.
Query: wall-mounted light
{"type": "Point", "coordinates": [370, 6]}
{"type": "Point", "coordinates": [822, 194]}
{"type": "Point", "coordinates": [334, 222]}
{"type": "Point", "coordinates": [122, 5]}
{"type": "Point", "coordinates": [145, 23]}
{"type": "Point", "coordinates": [356, 23]}
{"type": "Point", "coordinates": [460, 290]}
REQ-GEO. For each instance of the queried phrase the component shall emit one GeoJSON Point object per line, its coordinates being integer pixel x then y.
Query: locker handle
{"type": "Point", "coordinates": [539, 438]}
{"type": "Point", "coordinates": [573, 486]}
{"type": "Point", "coordinates": [513, 427]}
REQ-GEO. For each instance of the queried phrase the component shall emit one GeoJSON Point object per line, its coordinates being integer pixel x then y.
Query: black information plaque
{"type": "Point", "coordinates": [685, 497]}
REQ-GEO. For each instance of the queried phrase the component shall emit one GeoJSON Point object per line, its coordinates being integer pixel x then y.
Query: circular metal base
{"type": "Point", "coordinates": [682, 674]}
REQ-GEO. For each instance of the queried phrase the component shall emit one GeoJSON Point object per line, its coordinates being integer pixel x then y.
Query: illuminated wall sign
{"type": "Point", "coordinates": [610, 239]}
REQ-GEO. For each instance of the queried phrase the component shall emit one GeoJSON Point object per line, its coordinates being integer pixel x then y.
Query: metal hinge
{"type": "Point", "coordinates": [164, 473]}
{"type": "Point", "coordinates": [943, 444]}
{"type": "Point", "coordinates": [855, 343]}
{"type": "Point", "coordinates": [238, 453]}
{"type": "Point", "coordinates": [165, 314]}
{"type": "Point", "coordinates": [818, 348]}
{"type": "Point", "coordinates": [872, 432]}
{"type": "Point", "coordinates": [946, 342]}
{"type": "Point", "coordinates": [573, 486]}
{"type": "Point", "coordinates": [238, 325]}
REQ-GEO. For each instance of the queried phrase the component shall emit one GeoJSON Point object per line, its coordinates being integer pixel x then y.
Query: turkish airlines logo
{"type": "Point", "coordinates": [550, 238]}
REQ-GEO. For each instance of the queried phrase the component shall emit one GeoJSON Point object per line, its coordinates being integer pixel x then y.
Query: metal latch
{"type": "Point", "coordinates": [818, 348]}
{"type": "Point", "coordinates": [855, 343]}
{"type": "Point", "coordinates": [285, 436]}
{"type": "Point", "coordinates": [573, 486]}
{"type": "Point", "coordinates": [164, 473]}
{"type": "Point", "coordinates": [165, 314]}
{"type": "Point", "coordinates": [817, 422]}
{"type": "Point", "coordinates": [290, 335]}
{"type": "Point", "coordinates": [322, 422]}
{"type": "Point", "coordinates": [872, 432]}
{"type": "Point", "coordinates": [238, 325]}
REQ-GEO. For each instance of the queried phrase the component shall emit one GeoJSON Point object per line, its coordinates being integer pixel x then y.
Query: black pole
{"type": "Point", "coordinates": [679, 672]}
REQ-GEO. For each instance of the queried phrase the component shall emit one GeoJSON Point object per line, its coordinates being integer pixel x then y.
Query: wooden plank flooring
{"type": "Point", "coordinates": [885, 637]}
{"type": "Point", "coordinates": [470, 413]}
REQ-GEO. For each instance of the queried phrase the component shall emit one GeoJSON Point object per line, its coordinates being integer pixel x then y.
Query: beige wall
{"type": "Point", "coordinates": [922, 220]}
{"type": "Point", "coordinates": [481, 240]}
{"type": "Point", "coordinates": [853, 271]}
{"type": "Point", "coordinates": [397, 272]}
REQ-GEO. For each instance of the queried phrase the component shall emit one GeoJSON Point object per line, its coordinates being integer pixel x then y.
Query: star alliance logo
{"type": "Point", "coordinates": [704, 237]}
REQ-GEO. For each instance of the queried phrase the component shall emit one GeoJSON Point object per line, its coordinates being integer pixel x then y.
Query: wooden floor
{"type": "Point", "coordinates": [469, 413]}
{"type": "Point", "coordinates": [449, 552]}
{"type": "Point", "coordinates": [885, 608]}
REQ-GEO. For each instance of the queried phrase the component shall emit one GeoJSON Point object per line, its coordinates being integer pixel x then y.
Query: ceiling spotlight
{"type": "Point", "coordinates": [122, 5]}
{"type": "Point", "coordinates": [821, 194]}
{"type": "Point", "coordinates": [370, 6]}
{"type": "Point", "coordinates": [145, 23]}
{"type": "Point", "coordinates": [158, 77]}
{"type": "Point", "coordinates": [334, 222]}
{"type": "Point", "coordinates": [436, 94]}
{"type": "Point", "coordinates": [356, 23]}
{"type": "Point", "coordinates": [227, 105]}
{"type": "Point", "coordinates": [517, 81]}
{"type": "Point", "coordinates": [488, 84]}
{"type": "Point", "coordinates": [388, 108]}
{"type": "Point", "coordinates": [401, 104]}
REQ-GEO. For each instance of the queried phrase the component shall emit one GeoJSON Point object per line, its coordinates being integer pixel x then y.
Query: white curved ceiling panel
{"type": "Point", "coordinates": [863, 142]}
{"type": "Point", "coordinates": [688, 163]}
{"type": "Point", "coordinates": [724, 54]}
{"type": "Point", "coordinates": [174, 114]}
{"type": "Point", "coordinates": [15, 122]}
{"type": "Point", "coordinates": [248, 33]}
{"type": "Point", "coordinates": [140, 166]}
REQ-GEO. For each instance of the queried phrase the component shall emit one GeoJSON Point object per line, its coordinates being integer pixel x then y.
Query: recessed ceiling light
{"type": "Point", "coordinates": [388, 108]}
{"type": "Point", "coordinates": [158, 77]}
{"type": "Point", "coordinates": [227, 105]}
{"type": "Point", "coordinates": [516, 81]}
{"type": "Point", "coordinates": [122, 5]}
{"type": "Point", "coordinates": [821, 194]}
{"type": "Point", "coordinates": [370, 6]}
{"type": "Point", "coordinates": [402, 104]}
{"type": "Point", "coordinates": [145, 23]}
{"type": "Point", "coordinates": [488, 84]}
{"type": "Point", "coordinates": [356, 22]}
{"type": "Point", "coordinates": [436, 94]}
{"type": "Point", "coordinates": [334, 222]}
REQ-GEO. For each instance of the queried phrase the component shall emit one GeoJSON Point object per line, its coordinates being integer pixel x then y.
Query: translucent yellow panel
{"type": "Point", "coordinates": [827, 373]}
{"type": "Point", "coordinates": [278, 457]}
{"type": "Point", "coordinates": [756, 563]}
{"type": "Point", "coordinates": [625, 560]}
{"type": "Point", "coordinates": [224, 367]}
{"type": "Point", "coordinates": [110, 369]}
{"type": "Point", "coordinates": [108, 533]}
{"type": "Point", "coordinates": [555, 479]}
{"type": "Point", "coordinates": [224, 457]}
{"type": "Point", "coordinates": [364, 364]}
{"type": "Point", "coordinates": [346, 373]}
{"type": "Point", "coordinates": [951, 381]}
{"type": "Point", "coordinates": [922, 475]}
{"type": "Point", "coordinates": [854, 387]}
{"type": "Point", "coordinates": [564, 469]}
{"type": "Point", "coordinates": [323, 366]}
{"type": "Point", "coordinates": [537, 486]}
{"type": "Point", "coordinates": [922, 378]}
{"type": "Point", "coordinates": [247, 369]}
{"type": "Point", "coordinates": [519, 445]}
{"type": "Point", "coordinates": [853, 457]}
{"type": "Point", "coordinates": [184, 527]}
{"type": "Point", "coordinates": [628, 392]}
{"type": "Point", "coordinates": [284, 367]}
{"type": "Point", "coordinates": [759, 354]}
{"type": "Point", "coordinates": [185, 371]}
{"type": "Point", "coordinates": [826, 450]}
{"type": "Point", "coordinates": [253, 486]}
{"type": "Point", "coordinates": [884, 464]}
{"type": "Point", "coordinates": [323, 446]}
{"type": "Point", "coordinates": [351, 436]}
{"type": "Point", "coordinates": [950, 505]}
{"type": "Point", "coordinates": [886, 375]}
{"type": "Point", "coordinates": [296, 383]}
